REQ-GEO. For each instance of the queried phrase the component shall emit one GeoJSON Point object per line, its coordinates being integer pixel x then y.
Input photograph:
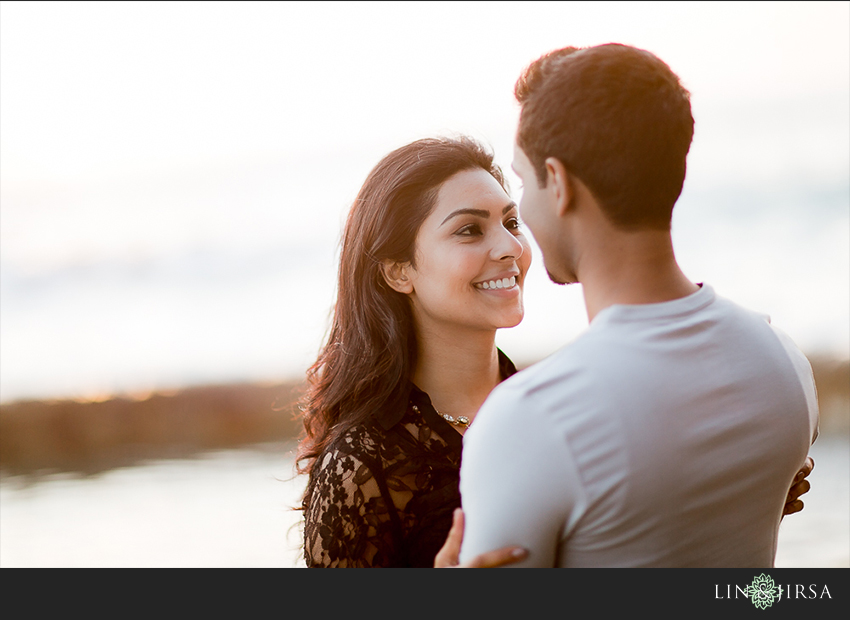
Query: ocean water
{"type": "Point", "coordinates": [233, 509]}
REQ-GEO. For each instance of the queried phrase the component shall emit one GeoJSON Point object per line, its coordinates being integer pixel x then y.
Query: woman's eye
{"type": "Point", "coordinates": [469, 230]}
{"type": "Point", "coordinates": [513, 224]}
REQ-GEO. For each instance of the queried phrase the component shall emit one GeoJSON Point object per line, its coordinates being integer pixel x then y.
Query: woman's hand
{"type": "Point", "coordinates": [449, 554]}
{"type": "Point", "coordinates": [798, 487]}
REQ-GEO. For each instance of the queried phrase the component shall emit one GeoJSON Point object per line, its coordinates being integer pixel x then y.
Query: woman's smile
{"type": "Point", "coordinates": [499, 284]}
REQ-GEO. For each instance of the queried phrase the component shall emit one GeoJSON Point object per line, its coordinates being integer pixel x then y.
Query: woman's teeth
{"type": "Point", "coordinates": [503, 283]}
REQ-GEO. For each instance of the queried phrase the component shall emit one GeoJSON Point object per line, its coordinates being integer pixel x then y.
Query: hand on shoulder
{"type": "Point", "coordinates": [449, 554]}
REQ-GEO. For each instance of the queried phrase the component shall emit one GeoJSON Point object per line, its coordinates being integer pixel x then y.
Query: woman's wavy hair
{"type": "Point", "coordinates": [370, 350]}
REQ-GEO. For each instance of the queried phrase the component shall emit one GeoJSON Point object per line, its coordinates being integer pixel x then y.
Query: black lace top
{"type": "Point", "coordinates": [384, 493]}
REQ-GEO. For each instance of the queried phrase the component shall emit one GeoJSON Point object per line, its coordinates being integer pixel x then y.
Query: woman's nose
{"type": "Point", "coordinates": [506, 246]}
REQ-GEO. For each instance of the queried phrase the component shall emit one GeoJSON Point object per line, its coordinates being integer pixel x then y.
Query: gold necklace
{"type": "Point", "coordinates": [461, 421]}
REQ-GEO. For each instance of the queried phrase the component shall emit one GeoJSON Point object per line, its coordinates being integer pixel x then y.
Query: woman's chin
{"type": "Point", "coordinates": [512, 320]}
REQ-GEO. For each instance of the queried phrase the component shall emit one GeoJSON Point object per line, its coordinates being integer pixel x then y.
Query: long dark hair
{"type": "Point", "coordinates": [370, 351]}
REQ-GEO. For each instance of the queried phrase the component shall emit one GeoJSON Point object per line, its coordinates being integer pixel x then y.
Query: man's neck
{"type": "Point", "coordinates": [632, 268]}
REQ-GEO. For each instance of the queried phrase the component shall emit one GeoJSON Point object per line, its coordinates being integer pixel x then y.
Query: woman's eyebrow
{"type": "Point", "coordinates": [477, 212]}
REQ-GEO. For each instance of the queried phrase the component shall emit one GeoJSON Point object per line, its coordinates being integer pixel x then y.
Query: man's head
{"type": "Point", "coordinates": [617, 119]}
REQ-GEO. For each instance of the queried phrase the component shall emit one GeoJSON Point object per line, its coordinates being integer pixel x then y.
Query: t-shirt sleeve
{"type": "Point", "coordinates": [807, 380]}
{"type": "Point", "coordinates": [518, 483]}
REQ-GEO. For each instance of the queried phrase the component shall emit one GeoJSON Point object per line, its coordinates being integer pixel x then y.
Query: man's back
{"type": "Point", "coordinates": [667, 435]}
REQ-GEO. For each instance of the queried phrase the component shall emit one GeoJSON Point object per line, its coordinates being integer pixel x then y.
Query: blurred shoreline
{"type": "Point", "coordinates": [41, 437]}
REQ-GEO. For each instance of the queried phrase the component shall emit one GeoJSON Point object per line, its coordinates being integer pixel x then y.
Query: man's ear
{"type": "Point", "coordinates": [396, 276]}
{"type": "Point", "coordinates": [560, 183]}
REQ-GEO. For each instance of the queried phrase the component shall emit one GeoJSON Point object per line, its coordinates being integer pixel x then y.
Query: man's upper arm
{"type": "Point", "coordinates": [803, 368]}
{"type": "Point", "coordinates": [518, 484]}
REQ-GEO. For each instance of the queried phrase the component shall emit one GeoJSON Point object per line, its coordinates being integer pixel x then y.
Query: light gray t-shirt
{"type": "Point", "coordinates": [666, 435]}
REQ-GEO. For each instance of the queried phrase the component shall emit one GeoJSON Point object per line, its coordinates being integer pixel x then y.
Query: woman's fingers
{"type": "Point", "coordinates": [500, 557]}
{"type": "Point", "coordinates": [799, 487]}
{"type": "Point", "coordinates": [807, 468]}
{"type": "Point", "coordinates": [449, 554]}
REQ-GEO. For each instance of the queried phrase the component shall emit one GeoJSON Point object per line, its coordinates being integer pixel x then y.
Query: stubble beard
{"type": "Point", "coordinates": [559, 281]}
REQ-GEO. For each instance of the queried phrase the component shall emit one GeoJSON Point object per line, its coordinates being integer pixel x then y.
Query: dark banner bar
{"type": "Point", "coordinates": [722, 593]}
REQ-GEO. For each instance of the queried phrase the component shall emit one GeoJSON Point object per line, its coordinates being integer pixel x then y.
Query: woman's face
{"type": "Point", "coordinates": [471, 257]}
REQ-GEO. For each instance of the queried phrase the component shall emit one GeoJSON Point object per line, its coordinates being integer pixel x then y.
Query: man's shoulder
{"type": "Point", "coordinates": [763, 324]}
{"type": "Point", "coordinates": [561, 372]}
{"type": "Point", "coordinates": [575, 356]}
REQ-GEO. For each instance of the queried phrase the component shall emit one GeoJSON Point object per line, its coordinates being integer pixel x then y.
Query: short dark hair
{"type": "Point", "coordinates": [619, 119]}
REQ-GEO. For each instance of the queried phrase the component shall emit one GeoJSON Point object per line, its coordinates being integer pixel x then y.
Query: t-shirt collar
{"type": "Point", "coordinates": [688, 304]}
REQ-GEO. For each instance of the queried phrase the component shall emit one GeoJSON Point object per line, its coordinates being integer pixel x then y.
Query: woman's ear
{"type": "Point", "coordinates": [396, 276]}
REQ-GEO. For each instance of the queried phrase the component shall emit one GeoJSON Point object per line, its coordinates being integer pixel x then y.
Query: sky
{"type": "Point", "coordinates": [95, 89]}
{"type": "Point", "coordinates": [137, 132]}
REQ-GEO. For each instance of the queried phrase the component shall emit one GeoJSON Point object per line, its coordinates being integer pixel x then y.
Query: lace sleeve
{"type": "Point", "coordinates": [348, 522]}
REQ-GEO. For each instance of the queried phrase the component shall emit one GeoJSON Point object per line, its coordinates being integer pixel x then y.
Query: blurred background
{"type": "Point", "coordinates": [173, 181]}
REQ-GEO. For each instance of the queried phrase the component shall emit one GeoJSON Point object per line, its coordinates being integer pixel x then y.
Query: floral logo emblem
{"type": "Point", "coordinates": [763, 591]}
